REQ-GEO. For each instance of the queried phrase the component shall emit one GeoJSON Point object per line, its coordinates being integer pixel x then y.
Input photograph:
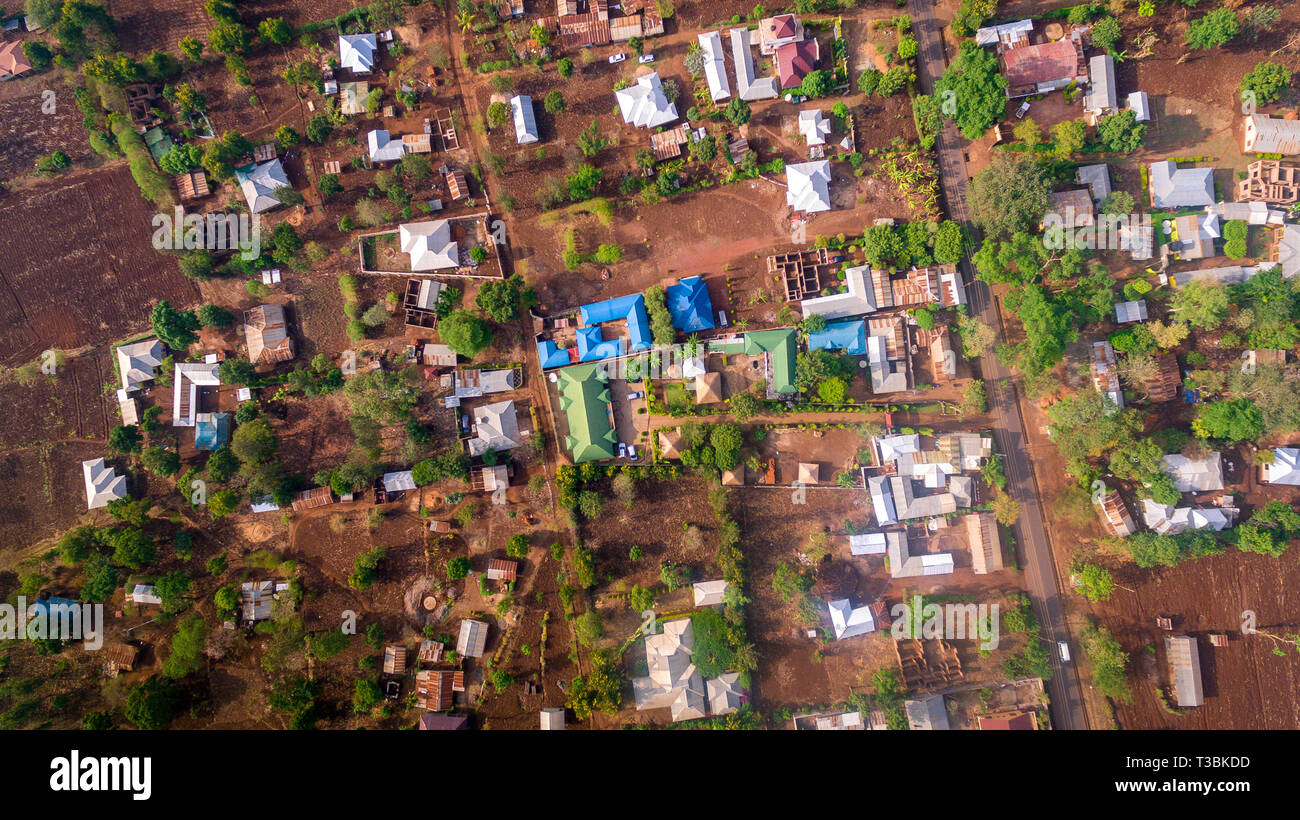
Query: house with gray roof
{"type": "Point", "coordinates": [808, 186]}
{"type": "Point", "coordinates": [715, 68]}
{"type": "Point", "coordinates": [928, 713]}
{"type": "Point", "coordinates": [1097, 179]}
{"type": "Point", "coordinates": [259, 183]}
{"type": "Point", "coordinates": [357, 52]}
{"type": "Point", "coordinates": [1101, 98]}
{"type": "Point", "coordinates": [1185, 670]}
{"type": "Point", "coordinates": [521, 107]}
{"type": "Point", "coordinates": [496, 427]}
{"type": "Point", "coordinates": [749, 86]}
{"type": "Point", "coordinates": [1194, 475]}
{"type": "Point", "coordinates": [1174, 187]}
{"type": "Point", "coordinates": [103, 483]}
{"type": "Point", "coordinates": [137, 361]}
{"type": "Point", "coordinates": [848, 621]}
{"type": "Point", "coordinates": [1285, 467]}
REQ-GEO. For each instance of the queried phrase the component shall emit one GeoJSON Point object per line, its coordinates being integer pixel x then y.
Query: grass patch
{"type": "Point", "coordinates": [598, 207]}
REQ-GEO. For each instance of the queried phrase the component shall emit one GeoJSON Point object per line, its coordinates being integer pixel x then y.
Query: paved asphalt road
{"type": "Point", "coordinates": [1008, 424]}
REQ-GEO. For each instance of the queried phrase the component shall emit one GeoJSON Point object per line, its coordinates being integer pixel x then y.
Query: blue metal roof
{"type": "Point", "coordinates": [593, 346]}
{"type": "Point", "coordinates": [689, 305]}
{"type": "Point", "coordinates": [209, 435]}
{"type": "Point", "coordinates": [629, 308]}
{"type": "Point", "coordinates": [551, 355]}
{"type": "Point", "coordinates": [851, 337]}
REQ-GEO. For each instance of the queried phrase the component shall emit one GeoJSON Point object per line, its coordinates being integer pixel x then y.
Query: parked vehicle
{"type": "Point", "coordinates": [635, 395]}
{"type": "Point", "coordinates": [1064, 649]}
{"type": "Point", "coordinates": [622, 449]}
{"type": "Point", "coordinates": [1020, 112]}
{"type": "Point", "coordinates": [646, 58]}
{"type": "Point", "coordinates": [631, 452]}
{"type": "Point", "coordinates": [617, 58]}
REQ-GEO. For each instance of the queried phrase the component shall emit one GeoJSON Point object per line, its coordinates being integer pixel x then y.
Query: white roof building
{"type": "Point", "coordinates": [927, 714]}
{"type": "Point", "coordinates": [893, 447]}
{"type": "Point", "coordinates": [260, 184]}
{"type": "Point", "coordinates": [725, 693]}
{"type": "Point", "coordinates": [357, 52]}
{"type": "Point", "coordinates": [715, 69]}
{"type": "Point", "coordinates": [814, 126]}
{"type": "Point", "coordinates": [710, 593]}
{"type": "Point", "coordinates": [190, 378]}
{"type": "Point", "coordinates": [136, 362]}
{"type": "Point", "coordinates": [1126, 312]}
{"type": "Point", "coordinates": [860, 297]}
{"type": "Point", "coordinates": [103, 484]}
{"type": "Point", "coordinates": [430, 245]}
{"type": "Point", "coordinates": [1173, 520]}
{"type": "Point", "coordinates": [401, 481]}
{"type": "Point", "coordinates": [749, 87]}
{"type": "Point", "coordinates": [1101, 97]}
{"type": "Point", "coordinates": [673, 681]}
{"type": "Point", "coordinates": [521, 107]}
{"type": "Point", "coordinates": [644, 103]}
{"type": "Point", "coordinates": [1285, 468]}
{"type": "Point", "coordinates": [495, 428]}
{"type": "Point", "coordinates": [849, 622]}
{"type": "Point", "coordinates": [902, 564]}
{"type": "Point", "coordinates": [1140, 105]}
{"type": "Point", "coordinates": [869, 543]}
{"type": "Point", "coordinates": [553, 719]}
{"type": "Point", "coordinates": [808, 186]}
{"type": "Point", "coordinates": [1196, 476]}
{"type": "Point", "coordinates": [383, 147]}
{"type": "Point", "coordinates": [144, 594]}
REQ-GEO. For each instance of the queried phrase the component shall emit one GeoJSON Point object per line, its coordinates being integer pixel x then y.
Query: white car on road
{"type": "Point", "coordinates": [1064, 649]}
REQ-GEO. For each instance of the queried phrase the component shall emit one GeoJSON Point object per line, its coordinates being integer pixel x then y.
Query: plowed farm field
{"type": "Point", "coordinates": [79, 265]}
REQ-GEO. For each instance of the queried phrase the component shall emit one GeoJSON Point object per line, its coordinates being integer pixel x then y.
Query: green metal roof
{"type": "Point", "coordinates": [782, 345]}
{"type": "Point", "coordinates": [584, 398]}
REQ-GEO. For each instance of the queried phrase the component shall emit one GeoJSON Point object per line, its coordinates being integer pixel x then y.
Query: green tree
{"type": "Point", "coordinates": [465, 332]}
{"type": "Point", "coordinates": [1214, 29]}
{"type": "Point", "coordinates": [600, 690]}
{"type": "Point", "coordinates": [1236, 420]}
{"type": "Point", "coordinates": [1010, 195]}
{"type": "Point", "coordinates": [161, 461]}
{"type": "Point", "coordinates": [978, 88]}
{"type": "Point", "coordinates": [1267, 80]}
{"type": "Point", "coordinates": [176, 328]}
{"type": "Point", "coordinates": [124, 439]}
{"type": "Point", "coordinates": [502, 300]}
{"type": "Point", "coordinates": [149, 705]}
{"type": "Point", "coordinates": [275, 30]}
{"type": "Point", "coordinates": [1122, 132]}
{"type": "Point", "coordinates": [1095, 583]}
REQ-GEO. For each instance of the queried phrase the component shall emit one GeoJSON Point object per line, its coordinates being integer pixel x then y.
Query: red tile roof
{"type": "Point", "coordinates": [1041, 63]}
{"type": "Point", "coordinates": [794, 60]}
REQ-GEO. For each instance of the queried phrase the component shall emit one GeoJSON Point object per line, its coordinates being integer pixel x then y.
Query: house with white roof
{"type": "Point", "coordinates": [1174, 520]}
{"type": "Point", "coordinates": [710, 593]}
{"type": "Point", "coordinates": [259, 183]}
{"type": "Point", "coordinates": [521, 108]}
{"type": "Point", "coordinates": [1285, 467]}
{"type": "Point", "coordinates": [1174, 187]}
{"type": "Point", "coordinates": [191, 381]}
{"type": "Point", "coordinates": [892, 448]}
{"type": "Point", "coordinates": [1101, 98]}
{"type": "Point", "coordinates": [860, 297]}
{"type": "Point", "coordinates": [808, 186]}
{"type": "Point", "coordinates": [429, 244]}
{"type": "Point", "coordinates": [1135, 311]}
{"type": "Point", "coordinates": [384, 147]}
{"type": "Point", "coordinates": [103, 484]}
{"type": "Point", "coordinates": [136, 362]}
{"type": "Point", "coordinates": [495, 428]}
{"type": "Point", "coordinates": [814, 126]}
{"type": "Point", "coordinates": [357, 52]}
{"type": "Point", "coordinates": [673, 681]}
{"type": "Point", "coordinates": [887, 375]}
{"type": "Point", "coordinates": [902, 564]}
{"type": "Point", "coordinates": [749, 86]}
{"type": "Point", "coordinates": [644, 104]}
{"type": "Point", "coordinates": [398, 482]}
{"type": "Point", "coordinates": [715, 69]}
{"type": "Point", "coordinates": [725, 693]}
{"type": "Point", "coordinates": [849, 622]}
{"type": "Point", "coordinates": [927, 714]}
{"type": "Point", "coordinates": [1140, 106]}
{"type": "Point", "coordinates": [1194, 475]}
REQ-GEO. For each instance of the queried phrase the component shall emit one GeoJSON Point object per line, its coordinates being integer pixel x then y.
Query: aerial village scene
{"type": "Point", "coordinates": [567, 364]}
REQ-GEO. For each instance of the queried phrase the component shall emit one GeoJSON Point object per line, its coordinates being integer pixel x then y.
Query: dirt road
{"type": "Point", "coordinates": [1008, 422]}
